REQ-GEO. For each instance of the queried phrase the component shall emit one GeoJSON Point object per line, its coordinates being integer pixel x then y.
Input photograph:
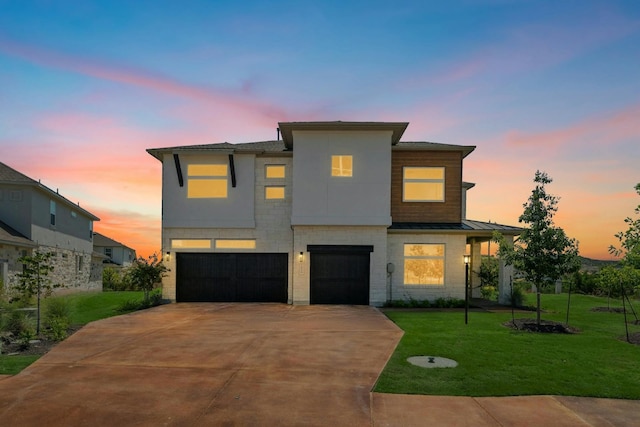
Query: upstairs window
{"type": "Point", "coordinates": [423, 184]}
{"type": "Point", "coordinates": [207, 181]}
{"type": "Point", "coordinates": [423, 264]}
{"type": "Point", "coordinates": [275, 171]}
{"type": "Point", "coordinates": [52, 212]}
{"type": "Point", "coordinates": [342, 166]}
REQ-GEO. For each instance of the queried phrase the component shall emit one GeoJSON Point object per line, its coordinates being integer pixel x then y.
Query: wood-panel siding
{"type": "Point", "coordinates": [444, 212]}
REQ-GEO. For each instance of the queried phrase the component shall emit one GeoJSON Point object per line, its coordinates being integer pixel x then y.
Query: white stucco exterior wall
{"type": "Point", "coordinates": [321, 199]}
{"type": "Point", "coordinates": [237, 210]}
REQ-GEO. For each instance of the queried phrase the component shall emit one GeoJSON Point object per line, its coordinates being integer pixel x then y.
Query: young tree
{"type": "Point", "coordinates": [34, 279]}
{"type": "Point", "coordinates": [146, 272]}
{"type": "Point", "coordinates": [629, 240]}
{"type": "Point", "coordinates": [543, 252]}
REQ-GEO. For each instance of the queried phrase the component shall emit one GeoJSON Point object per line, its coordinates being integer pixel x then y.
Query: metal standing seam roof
{"type": "Point", "coordinates": [465, 226]}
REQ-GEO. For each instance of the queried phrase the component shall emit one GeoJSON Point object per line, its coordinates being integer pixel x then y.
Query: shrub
{"type": "Point", "coordinates": [448, 303]}
{"type": "Point", "coordinates": [20, 323]}
{"type": "Point", "coordinates": [111, 279]}
{"type": "Point", "coordinates": [154, 299]}
{"type": "Point", "coordinates": [57, 318]}
{"type": "Point", "coordinates": [488, 292]}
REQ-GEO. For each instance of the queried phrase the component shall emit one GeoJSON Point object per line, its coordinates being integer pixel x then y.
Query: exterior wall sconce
{"type": "Point", "coordinates": [301, 257]}
{"type": "Point", "coordinates": [467, 259]}
{"type": "Point", "coordinates": [167, 256]}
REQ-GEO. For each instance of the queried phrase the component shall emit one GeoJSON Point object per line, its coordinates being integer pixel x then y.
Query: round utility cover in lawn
{"type": "Point", "coordinates": [432, 362]}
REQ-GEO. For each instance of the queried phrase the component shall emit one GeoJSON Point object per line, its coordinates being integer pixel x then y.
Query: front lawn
{"type": "Point", "coordinates": [85, 308]}
{"type": "Point", "coordinates": [497, 361]}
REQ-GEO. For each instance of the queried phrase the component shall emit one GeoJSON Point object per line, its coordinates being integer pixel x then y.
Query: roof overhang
{"type": "Point", "coordinates": [287, 128]}
{"type": "Point", "coordinates": [434, 146]}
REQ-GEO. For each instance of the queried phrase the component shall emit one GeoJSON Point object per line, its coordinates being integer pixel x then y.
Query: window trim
{"type": "Point", "coordinates": [424, 181]}
{"type": "Point", "coordinates": [442, 258]}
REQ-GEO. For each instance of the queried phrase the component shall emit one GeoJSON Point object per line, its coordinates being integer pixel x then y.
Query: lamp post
{"type": "Point", "coordinates": [467, 258]}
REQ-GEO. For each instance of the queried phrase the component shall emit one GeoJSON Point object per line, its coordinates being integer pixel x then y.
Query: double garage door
{"type": "Point", "coordinates": [338, 275]}
{"type": "Point", "coordinates": [231, 277]}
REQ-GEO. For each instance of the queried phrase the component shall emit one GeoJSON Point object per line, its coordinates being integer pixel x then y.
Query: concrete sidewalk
{"type": "Point", "coordinates": [255, 364]}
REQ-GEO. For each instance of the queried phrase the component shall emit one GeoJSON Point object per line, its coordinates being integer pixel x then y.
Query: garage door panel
{"type": "Point", "coordinates": [340, 278]}
{"type": "Point", "coordinates": [231, 277]}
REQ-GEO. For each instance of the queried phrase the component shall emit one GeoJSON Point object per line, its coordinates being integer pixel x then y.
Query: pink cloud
{"type": "Point", "coordinates": [606, 130]}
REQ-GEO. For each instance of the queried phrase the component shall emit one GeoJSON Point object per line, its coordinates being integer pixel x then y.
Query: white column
{"type": "Point", "coordinates": [505, 277]}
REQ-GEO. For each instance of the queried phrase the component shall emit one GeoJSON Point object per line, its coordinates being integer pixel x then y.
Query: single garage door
{"type": "Point", "coordinates": [231, 277]}
{"type": "Point", "coordinates": [340, 274]}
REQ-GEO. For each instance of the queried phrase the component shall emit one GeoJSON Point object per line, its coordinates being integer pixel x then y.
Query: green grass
{"type": "Point", "coordinates": [85, 308]}
{"type": "Point", "coordinates": [496, 361]}
{"type": "Point", "coordinates": [11, 365]}
{"type": "Point", "coordinates": [89, 307]}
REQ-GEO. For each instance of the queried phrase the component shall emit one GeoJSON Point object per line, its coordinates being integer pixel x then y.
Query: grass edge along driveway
{"type": "Point", "coordinates": [496, 361]}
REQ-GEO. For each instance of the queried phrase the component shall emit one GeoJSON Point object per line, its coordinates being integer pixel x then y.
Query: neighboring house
{"type": "Point", "coordinates": [34, 217]}
{"type": "Point", "coordinates": [115, 252]}
{"type": "Point", "coordinates": [334, 213]}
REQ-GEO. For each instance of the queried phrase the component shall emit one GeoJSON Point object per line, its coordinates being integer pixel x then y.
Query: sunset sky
{"type": "Point", "coordinates": [87, 86]}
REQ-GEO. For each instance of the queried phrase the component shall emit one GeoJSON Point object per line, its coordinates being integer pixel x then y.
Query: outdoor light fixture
{"type": "Point", "coordinates": [301, 257]}
{"type": "Point", "coordinates": [467, 259]}
{"type": "Point", "coordinates": [168, 256]}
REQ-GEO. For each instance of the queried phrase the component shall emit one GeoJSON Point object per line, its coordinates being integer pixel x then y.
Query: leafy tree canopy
{"type": "Point", "coordinates": [543, 253]}
{"type": "Point", "coordinates": [629, 248]}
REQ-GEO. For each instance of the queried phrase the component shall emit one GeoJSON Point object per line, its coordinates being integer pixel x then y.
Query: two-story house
{"type": "Point", "coordinates": [115, 252]}
{"type": "Point", "coordinates": [34, 217]}
{"type": "Point", "coordinates": [332, 213]}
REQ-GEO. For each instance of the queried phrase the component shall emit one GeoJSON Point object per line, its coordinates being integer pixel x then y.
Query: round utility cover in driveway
{"type": "Point", "coordinates": [432, 362]}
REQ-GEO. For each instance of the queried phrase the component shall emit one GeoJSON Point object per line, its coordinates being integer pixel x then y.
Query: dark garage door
{"type": "Point", "coordinates": [340, 274]}
{"type": "Point", "coordinates": [231, 277]}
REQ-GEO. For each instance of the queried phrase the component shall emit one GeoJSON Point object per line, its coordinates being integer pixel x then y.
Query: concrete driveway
{"type": "Point", "coordinates": [255, 364]}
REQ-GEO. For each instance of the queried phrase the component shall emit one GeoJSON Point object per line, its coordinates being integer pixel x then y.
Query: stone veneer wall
{"type": "Point", "coordinates": [68, 270]}
{"type": "Point", "coordinates": [454, 276]}
{"type": "Point", "coordinates": [10, 254]}
{"type": "Point", "coordinates": [341, 235]}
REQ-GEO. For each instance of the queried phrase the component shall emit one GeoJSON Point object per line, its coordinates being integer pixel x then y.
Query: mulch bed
{"type": "Point", "coordinates": [633, 338]}
{"type": "Point", "coordinates": [546, 326]}
{"type": "Point", "coordinates": [38, 347]}
{"type": "Point", "coordinates": [608, 309]}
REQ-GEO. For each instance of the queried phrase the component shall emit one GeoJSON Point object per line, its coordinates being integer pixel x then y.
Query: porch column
{"type": "Point", "coordinates": [476, 261]}
{"type": "Point", "coordinates": [505, 277]}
